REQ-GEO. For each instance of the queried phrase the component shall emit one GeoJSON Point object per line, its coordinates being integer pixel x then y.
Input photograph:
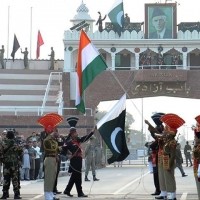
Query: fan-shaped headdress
{"type": "Point", "coordinates": [50, 121]}
{"type": "Point", "coordinates": [72, 121]}
{"type": "Point", "coordinates": [173, 121]}
{"type": "Point", "coordinates": [156, 118]}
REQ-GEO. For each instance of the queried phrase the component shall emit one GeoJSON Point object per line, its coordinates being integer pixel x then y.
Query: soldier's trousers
{"type": "Point", "coordinates": [11, 173]}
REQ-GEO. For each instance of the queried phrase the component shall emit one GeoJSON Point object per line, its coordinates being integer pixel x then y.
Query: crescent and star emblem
{"type": "Point", "coordinates": [119, 18]}
{"type": "Point", "coordinates": [113, 138]}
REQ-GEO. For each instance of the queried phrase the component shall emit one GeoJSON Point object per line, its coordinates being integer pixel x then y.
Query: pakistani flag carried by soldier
{"type": "Point", "coordinates": [112, 129]}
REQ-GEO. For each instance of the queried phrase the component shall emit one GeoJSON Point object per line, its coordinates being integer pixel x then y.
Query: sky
{"type": "Point", "coordinates": [52, 18]}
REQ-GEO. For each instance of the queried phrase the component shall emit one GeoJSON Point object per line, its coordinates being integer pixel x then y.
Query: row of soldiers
{"type": "Point", "coordinates": [164, 153]}
{"type": "Point", "coordinates": [26, 62]}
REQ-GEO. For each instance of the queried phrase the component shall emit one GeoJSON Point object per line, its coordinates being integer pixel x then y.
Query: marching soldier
{"type": "Point", "coordinates": [49, 122]}
{"type": "Point", "coordinates": [196, 154]}
{"type": "Point", "coordinates": [12, 159]}
{"type": "Point", "coordinates": [73, 144]}
{"type": "Point", "coordinates": [172, 123]}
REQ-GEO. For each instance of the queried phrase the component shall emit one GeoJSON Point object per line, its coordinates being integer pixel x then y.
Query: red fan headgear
{"type": "Point", "coordinates": [50, 121]}
{"type": "Point", "coordinates": [173, 121]}
{"type": "Point", "coordinates": [197, 118]}
{"type": "Point", "coordinates": [197, 133]}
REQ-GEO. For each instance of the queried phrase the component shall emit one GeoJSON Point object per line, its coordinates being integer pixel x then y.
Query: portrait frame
{"type": "Point", "coordinates": [170, 11]}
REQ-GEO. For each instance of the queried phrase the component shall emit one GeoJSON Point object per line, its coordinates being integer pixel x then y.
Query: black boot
{"type": "Point", "coordinates": [67, 193]}
{"type": "Point", "coordinates": [82, 195]}
{"type": "Point", "coordinates": [5, 195]}
{"type": "Point", "coordinates": [95, 179]}
{"type": "Point", "coordinates": [17, 197]}
{"type": "Point", "coordinates": [86, 178]}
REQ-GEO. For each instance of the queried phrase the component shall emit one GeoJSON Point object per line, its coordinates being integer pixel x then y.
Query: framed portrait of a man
{"type": "Point", "coordinates": [160, 21]}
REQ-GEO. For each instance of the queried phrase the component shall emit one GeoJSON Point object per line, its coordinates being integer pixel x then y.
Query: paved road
{"type": "Point", "coordinates": [127, 182]}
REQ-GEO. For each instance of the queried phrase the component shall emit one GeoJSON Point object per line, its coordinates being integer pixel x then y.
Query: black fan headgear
{"type": "Point", "coordinates": [72, 121]}
{"type": "Point", "coordinates": [156, 118]}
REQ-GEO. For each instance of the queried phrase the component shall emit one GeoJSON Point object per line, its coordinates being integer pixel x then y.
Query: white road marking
{"type": "Point", "coordinates": [127, 185]}
{"type": "Point", "coordinates": [37, 197]}
{"type": "Point", "coordinates": [184, 196]}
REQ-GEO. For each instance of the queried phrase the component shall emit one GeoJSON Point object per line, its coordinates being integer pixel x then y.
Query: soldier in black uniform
{"type": "Point", "coordinates": [12, 159]}
{"type": "Point", "coordinates": [154, 147]}
{"type": "Point", "coordinates": [73, 144]}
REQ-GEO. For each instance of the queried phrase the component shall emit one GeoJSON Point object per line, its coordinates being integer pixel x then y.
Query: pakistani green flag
{"type": "Point", "coordinates": [112, 129]}
{"type": "Point", "coordinates": [116, 16]}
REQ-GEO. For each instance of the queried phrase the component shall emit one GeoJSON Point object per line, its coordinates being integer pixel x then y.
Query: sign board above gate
{"type": "Point", "coordinates": [160, 75]}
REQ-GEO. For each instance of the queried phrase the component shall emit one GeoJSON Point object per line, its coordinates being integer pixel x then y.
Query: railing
{"type": "Point", "coordinates": [48, 88]}
{"type": "Point", "coordinates": [161, 67]}
{"type": "Point", "coordinates": [36, 111]}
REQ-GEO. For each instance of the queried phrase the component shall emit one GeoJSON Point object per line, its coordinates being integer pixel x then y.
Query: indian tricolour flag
{"type": "Point", "coordinates": [89, 64]}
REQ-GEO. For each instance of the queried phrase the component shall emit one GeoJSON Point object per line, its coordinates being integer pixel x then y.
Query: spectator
{"type": "Point", "coordinates": [187, 152]}
{"type": "Point", "coordinates": [37, 158]}
{"type": "Point", "coordinates": [32, 155]}
{"type": "Point", "coordinates": [25, 171]}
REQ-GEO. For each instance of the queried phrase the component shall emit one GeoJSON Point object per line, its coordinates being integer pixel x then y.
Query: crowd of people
{"type": "Point", "coordinates": [165, 154]}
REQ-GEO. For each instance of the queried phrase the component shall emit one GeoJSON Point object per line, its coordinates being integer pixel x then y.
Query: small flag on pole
{"type": "Point", "coordinates": [90, 63]}
{"type": "Point", "coordinates": [15, 47]}
{"type": "Point", "coordinates": [40, 42]}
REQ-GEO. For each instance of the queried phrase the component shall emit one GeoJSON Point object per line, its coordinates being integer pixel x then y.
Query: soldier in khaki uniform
{"type": "Point", "coordinates": [90, 158]}
{"type": "Point", "coordinates": [49, 122]}
{"type": "Point", "coordinates": [172, 122]}
{"type": "Point", "coordinates": [196, 154]}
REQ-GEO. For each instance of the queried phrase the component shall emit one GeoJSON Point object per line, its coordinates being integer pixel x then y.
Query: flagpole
{"type": "Point", "coordinates": [31, 34]}
{"type": "Point", "coordinates": [8, 33]}
{"type": "Point", "coordinates": [142, 131]}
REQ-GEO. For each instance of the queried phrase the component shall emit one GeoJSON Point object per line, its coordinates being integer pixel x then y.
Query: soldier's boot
{"type": "Point", "coordinates": [17, 195]}
{"type": "Point", "coordinates": [5, 195]}
{"type": "Point", "coordinates": [86, 178]}
{"type": "Point", "coordinates": [94, 178]}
